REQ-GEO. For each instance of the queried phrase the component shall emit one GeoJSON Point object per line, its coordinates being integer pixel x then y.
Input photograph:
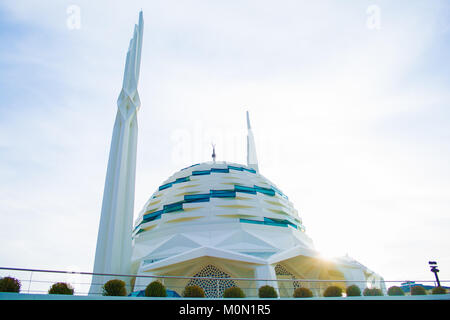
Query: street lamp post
{"type": "Point", "coordinates": [435, 270]}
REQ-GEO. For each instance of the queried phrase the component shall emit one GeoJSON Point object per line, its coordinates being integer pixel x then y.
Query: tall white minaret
{"type": "Point", "coordinates": [252, 160]}
{"type": "Point", "coordinates": [113, 252]}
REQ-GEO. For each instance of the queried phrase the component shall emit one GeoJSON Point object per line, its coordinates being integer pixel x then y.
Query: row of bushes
{"type": "Point", "coordinates": [117, 287]}
{"type": "Point", "coordinates": [9, 284]}
{"type": "Point", "coordinates": [157, 289]}
{"type": "Point", "coordinates": [354, 290]}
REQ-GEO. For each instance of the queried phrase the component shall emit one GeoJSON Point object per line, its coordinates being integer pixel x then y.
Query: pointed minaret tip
{"type": "Point", "coordinates": [113, 254]}
{"type": "Point", "coordinates": [252, 160]}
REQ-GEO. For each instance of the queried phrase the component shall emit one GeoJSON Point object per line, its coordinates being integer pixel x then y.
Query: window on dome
{"type": "Point", "coordinates": [251, 221]}
{"type": "Point", "coordinates": [165, 186]}
{"type": "Point", "coordinates": [173, 207]}
{"type": "Point", "coordinates": [271, 222]}
{"type": "Point", "coordinates": [153, 216]}
{"type": "Point", "coordinates": [244, 189]}
{"type": "Point", "coordinates": [200, 172]}
{"type": "Point", "coordinates": [190, 166]}
{"type": "Point", "coordinates": [275, 222]}
{"type": "Point", "coordinates": [223, 193]}
{"type": "Point", "coordinates": [267, 191]}
{"type": "Point", "coordinates": [220, 170]}
{"type": "Point", "coordinates": [184, 179]}
{"type": "Point", "coordinates": [197, 197]}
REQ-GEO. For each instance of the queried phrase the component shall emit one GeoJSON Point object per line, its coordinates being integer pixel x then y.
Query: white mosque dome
{"type": "Point", "coordinates": [221, 205]}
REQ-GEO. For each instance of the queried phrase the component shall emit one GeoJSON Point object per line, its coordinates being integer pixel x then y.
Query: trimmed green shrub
{"type": "Point", "coordinates": [418, 291]}
{"type": "Point", "coordinates": [438, 290]}
{"type": "Point", "coordinates": [333, 291]}
{"type": "Point", "coordinates": [395, 291]}
{"type": "Point", "coordinates": [9, 284]}
{"type": "Point", "coordinates": [155, 289]}
{"type": "Point", "coordinates": [233, 292]}
{"type": "Point", "coordinates": [267, 292]}
{"type": "Point", "coordinates": [302, 293]}
{"type": "Point", "coordinates": [372, 292]}
{"type": "Point", "coordinates": [193, 292]}
{"type": "Point", "coordinates": [114, 288]}
{"type": "Point", "coordinates": [353, 291]}
{"type": "Point", "coordinates": [61, 288]}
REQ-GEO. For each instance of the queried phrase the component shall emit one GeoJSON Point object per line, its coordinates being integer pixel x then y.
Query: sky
{"type": "Point", "coordinates": [349, 104]}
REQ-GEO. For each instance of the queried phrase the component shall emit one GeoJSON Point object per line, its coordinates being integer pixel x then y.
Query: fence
{"type": "Point", "coordinates": [39, 281]}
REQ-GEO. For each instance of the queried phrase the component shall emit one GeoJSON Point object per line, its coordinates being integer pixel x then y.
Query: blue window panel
{"type": "Point", "coordinates": [152, 216]}
{"type": "Point", "coordinates": [276, 190]}
{"type": "Point", "coordinates": [184, 179]}
{"type": "Point", "coordinates": [220, 170]}
{"type": "Point", "coordinates": [269, 192]}
{"type": "Point", "coordinates": [235, 168]}
{"type": "Point", "coordinates": [190, 166]}
{"type": "Point", "coordinates": [293, 222]}
{"type": "Point", "coordinates": [220, 191]}
{"type": "Point", "coordinates": [152, 260]}
{"type": "Point", "coordinates": [177, 206]}
{"type": "Point", "coordinates": [135, 228]}
{"type": "Point", "coordinates": [165, 186]}
{"type": "Point", "coordinates": [288, 223]}
{"type": "Point", "coordinates": [223, 193]}
{"type": "Point", "coordinates": [293, 225]}
{"type": "Point", "coordinates": [282, 221]}
{"type": "Point", "coordinates": [267, 221]}
{"type": "Point", "coordinates": [200, 173]}
{"type": "Point", "coordinates": [275, 222]}
{"type": "Point", "coordinates": [196, 198]}
{"type": "Point", "coordinates": [244, 189]}
{"type": "Point", "coordinates": [250, 170]}
{"type": "Point", "coordinates": [251, 221]}
{"type": "Point", "coordinates": [279, 192]}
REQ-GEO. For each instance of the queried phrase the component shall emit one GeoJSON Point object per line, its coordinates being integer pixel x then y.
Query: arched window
{"type": "Point", "coordinates": [213, 288]}
{"type": "Point", "coordinates": [281, 271]}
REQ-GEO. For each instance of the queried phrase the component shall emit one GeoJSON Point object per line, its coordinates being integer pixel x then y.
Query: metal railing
{"type": "Point", "coordinates": [38, 281]}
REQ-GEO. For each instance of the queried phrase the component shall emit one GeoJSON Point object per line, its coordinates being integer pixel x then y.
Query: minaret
{"type": "Point", "coordinates": [113, 252]}
{"type": "Point", "coordinates": [252, 160]}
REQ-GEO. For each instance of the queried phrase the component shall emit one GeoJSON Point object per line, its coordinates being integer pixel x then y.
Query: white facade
{"type": "Point", "coordinates": [214, 219]}
{"type": "Point", "coordinates": [113, 252]}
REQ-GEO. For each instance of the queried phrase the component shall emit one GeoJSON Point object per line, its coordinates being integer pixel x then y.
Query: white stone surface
{"type": "Point", "coordinates": [113, 252]}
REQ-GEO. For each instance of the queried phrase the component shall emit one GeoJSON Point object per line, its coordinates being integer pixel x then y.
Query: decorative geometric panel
{"type": "Point", "coordinates": [281, 271]}
{"type": "Point", "coordinates": [213, 288]}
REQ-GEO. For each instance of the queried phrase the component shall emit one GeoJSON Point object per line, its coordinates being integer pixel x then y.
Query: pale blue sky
{"type": "Point", "coordinates": [352, 123]}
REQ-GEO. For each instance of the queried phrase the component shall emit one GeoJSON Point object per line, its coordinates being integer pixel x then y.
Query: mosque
{"type": "Point", "coordinates": [211, 220]}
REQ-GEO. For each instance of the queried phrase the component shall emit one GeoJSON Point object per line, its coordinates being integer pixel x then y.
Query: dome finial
{"type": "Point", "coordinates": [214, 152]}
